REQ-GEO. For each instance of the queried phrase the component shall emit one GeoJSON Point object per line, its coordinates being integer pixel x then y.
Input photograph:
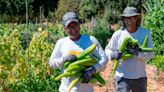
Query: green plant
{"type": "Point", "coordinates": [40, 83]}
{"type": "Point", "coordinates": [26, 69]}
{"type": "Point", "coordinates": [154, 22]}
{"type": "Point", "coordinates": [158, 62]}
{"type": "Point", "coordinates": [102, 32]}
{"type": "Point", "coordinates": [13, 65]}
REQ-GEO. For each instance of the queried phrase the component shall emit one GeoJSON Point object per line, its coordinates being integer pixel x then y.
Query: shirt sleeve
{"type": "Point", "coordinates": [144, 56]}
{"type": "Point", "coordinates": [112, 45]}
{"type": "Point", "coordinates": [56, 59]}
{"type": "Point", "coordinates": [99, 52]}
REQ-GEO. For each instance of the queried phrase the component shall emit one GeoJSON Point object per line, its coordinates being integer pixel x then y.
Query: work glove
{"type": "Point", "coordinates": [133, 49]}
{"type": "Point", "coordinates": [116, 55]}
{"type": "Point", "coordinates": [69, 58]}
{"type": "Point", "coordinates": [88, 74]}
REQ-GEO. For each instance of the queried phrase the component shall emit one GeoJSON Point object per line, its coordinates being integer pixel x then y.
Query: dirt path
{"type": "Point", "coordinates": [155, 80]}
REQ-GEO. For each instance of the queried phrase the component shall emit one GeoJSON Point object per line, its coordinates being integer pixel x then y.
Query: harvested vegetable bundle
{"type": "Point", "coordinates": [125, 54]}
{"type": "Point", "coordinates": [77, 68]}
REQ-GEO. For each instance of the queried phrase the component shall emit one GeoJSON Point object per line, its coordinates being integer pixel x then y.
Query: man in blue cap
{"type": "Point", "coordinates": [130, 74]}
{"type": "Point", "coordinates": [76, 42]}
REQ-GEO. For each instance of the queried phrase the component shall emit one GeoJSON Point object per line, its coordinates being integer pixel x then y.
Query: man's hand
{"type": "Point", "coordinates": [133, 49]}
{"type": "Point", "coordinates": [69, 58]}
{"type": "Point", "coordinates": [87, 74]}
{"type": "Point", "coordinates": [116, 55]}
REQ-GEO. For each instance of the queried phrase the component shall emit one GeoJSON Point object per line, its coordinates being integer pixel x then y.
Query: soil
{"type": "Point", "coordinates": [154, 76]}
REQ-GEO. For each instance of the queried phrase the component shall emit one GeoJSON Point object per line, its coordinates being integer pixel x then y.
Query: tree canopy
{"type": "Point", "coordinates": [108, 9]}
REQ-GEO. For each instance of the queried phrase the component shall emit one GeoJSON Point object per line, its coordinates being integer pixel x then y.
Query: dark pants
{"type": "Point", "coordinates": [130, 85]}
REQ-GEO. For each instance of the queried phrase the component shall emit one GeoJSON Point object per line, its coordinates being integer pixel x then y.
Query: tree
{"type": "Point", "coordinates": [12, 9]}
{"type": "Point", "coordinates": [16, 9]}
{"type": "Point", "coordinates": [65, 6]}
{"type": "Point", "coordinates": [108, 9]}
{"type": "Point", "coordinates": [46, 5]}
{"type": "Point", "coordinates": [88, 8]}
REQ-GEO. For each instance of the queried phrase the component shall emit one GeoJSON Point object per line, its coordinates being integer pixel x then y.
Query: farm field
{"type": "Point", "coordinates": [29, 30]}
{"type": "Point", "coordinates": [155, 80]}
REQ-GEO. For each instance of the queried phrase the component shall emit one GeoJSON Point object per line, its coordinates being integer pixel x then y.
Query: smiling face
{"type": "Point", "coordinates": [73, 30]}
{"type": "Point", "coordinates": [130, 23]}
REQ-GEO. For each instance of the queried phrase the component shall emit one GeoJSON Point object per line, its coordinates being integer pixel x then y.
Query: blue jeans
{"type": "Point", "coordinates": [130, 85]}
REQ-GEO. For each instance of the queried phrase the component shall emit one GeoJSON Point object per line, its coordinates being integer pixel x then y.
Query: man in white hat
{"type": "Point", "coordinates": [130, 74]}
{"type": "Point", "coordinates": [76, 42]}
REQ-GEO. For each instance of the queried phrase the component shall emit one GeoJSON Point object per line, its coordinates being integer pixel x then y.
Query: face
{"type": "Point", "coordinates": [130, 23]}
{"type": "Point", "coordinates": [73, 30]}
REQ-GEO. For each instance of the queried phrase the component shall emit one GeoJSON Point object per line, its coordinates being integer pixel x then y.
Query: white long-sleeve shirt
{"type": "Point", "coordinates": [64, 47]}
{"type": "Point", "coordinates": [135, 67]}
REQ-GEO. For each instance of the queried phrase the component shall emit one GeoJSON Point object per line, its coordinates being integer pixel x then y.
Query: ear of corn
{"type": "Point", "coordinates": [146, 49]}
{"type": "Point", "coordinates": [124, 43]}
{"type": "Point", "coordinates": [145, 41]}
{"type": "Point", "coordinates": [84, 62]}
{"type": "Point", "coordinates": [87, 57]}
{"type": "Point", "coordinates": [75, 68]}
{"type": "Point", "coordinates": [73, 83]}
{"type": "Point", "coordinates": [126, 56]}
{"type": "Point", "coordinates": [134, 42]}
{"type": "Point", "coordinates": [114, 67]}
{"type": "Point", "coordinates": [66, 64]}
{"type": "Point", "coordinates": [69, 74]}
{"type": "Point", "coordinates": [86, 52]}
{"type": "Point", "coordinates": [99, 78]}
{"type": "Point", "coordinates": [93, 80]}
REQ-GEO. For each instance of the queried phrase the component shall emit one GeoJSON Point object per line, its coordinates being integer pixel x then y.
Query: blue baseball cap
{"type": "Point", "coordinates": [69, 17]}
